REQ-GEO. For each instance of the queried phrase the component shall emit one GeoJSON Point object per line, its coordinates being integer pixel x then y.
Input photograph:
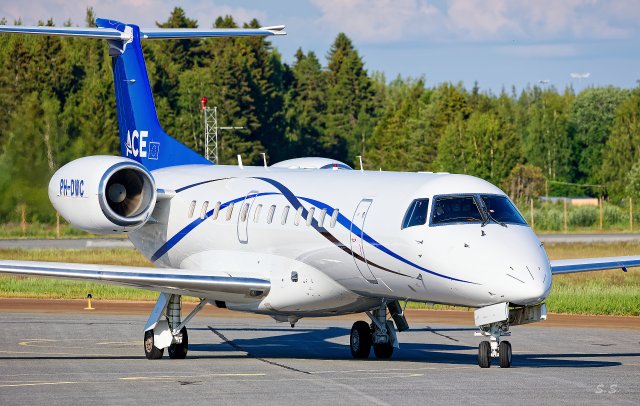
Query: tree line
{"type": "Point", "coordinates": [57, 104]}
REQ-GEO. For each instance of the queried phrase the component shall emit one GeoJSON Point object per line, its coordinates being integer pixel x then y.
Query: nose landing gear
{"type": "Point", "coordinates": [494, 348]}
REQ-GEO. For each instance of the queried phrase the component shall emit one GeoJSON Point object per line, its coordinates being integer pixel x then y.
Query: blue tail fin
{"type": "Point", "coordinates": [141, 136]}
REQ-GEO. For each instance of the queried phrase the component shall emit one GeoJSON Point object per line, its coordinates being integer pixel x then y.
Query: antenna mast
{"type": "Point", "coordinates": [211, 131]}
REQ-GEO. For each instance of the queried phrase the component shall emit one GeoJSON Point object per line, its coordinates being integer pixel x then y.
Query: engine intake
{"type": "Point", "coordinates": [104, 194]}
{"type": "Point", "coordinates": [125, 194]}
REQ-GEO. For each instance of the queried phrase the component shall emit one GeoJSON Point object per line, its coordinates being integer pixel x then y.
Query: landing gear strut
{"type": "Point", "coordinates": [165, 329]}
{"type": "Point", "coordinates": [381, 333]}
{"type": "Point", "coordinates": [494, 348]}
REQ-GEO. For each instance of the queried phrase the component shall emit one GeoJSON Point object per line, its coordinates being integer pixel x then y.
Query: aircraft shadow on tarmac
{"type": "Point", "coordinates": [319, 344]}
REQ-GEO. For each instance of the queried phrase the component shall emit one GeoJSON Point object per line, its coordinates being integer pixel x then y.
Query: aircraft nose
{"type": "Point", "coordinates": [528, 283]}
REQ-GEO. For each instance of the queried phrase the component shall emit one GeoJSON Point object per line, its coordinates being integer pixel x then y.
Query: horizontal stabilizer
{"type": "Point", "coordinates": [594, 264]}
{"type": "Point", "coordinates": [104, 33]}
{"type": "Point", "coordinates": [181, 33]}
{"type": "Point", "coordinates": [150, 33]}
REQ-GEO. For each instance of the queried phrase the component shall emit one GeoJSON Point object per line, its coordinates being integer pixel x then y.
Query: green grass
{"type": "Point", "coordinates": [11, 286]}
{"type": "Point", "coordinates": [609, 292]}
{"type": "Point", "coordinates": [40, 230]}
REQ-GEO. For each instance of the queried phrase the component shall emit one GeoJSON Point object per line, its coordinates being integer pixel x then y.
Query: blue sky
{"type": "Point", "coordinates": [499, 43]}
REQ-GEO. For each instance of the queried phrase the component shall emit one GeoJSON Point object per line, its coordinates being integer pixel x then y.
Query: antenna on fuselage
{"type": "Point", "coordinates": [360, 159]}
{"type": "Point", "coordinates": [264, 158]}
{"type": "Point", "coordinates": [240, 161]}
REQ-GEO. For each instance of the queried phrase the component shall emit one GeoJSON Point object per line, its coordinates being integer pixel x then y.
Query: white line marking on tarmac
{"type": "Point", "coordinates": [173, 377]}
{"type": "Point", "coordinates": [35, 384]}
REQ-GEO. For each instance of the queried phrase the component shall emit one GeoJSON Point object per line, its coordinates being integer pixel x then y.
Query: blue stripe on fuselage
{"type": "Point", "coordinates": [293, 200]}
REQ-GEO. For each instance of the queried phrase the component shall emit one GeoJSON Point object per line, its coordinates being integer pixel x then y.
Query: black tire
{"type": "Point", "coordinates": [150, 350]}
{"type": "Point", "coordinates": [484, 354]}
{"type": "Point", "coordinates": [179, 351]}
{"type": "Point", "coordinates": [383, 351]}
{"type": "Point", "coordinates": [505, 354]}
{"type": "Point", "coordinates": [361, 339]}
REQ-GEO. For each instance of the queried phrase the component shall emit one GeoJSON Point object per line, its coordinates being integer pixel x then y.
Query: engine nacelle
{"type": "Point", "coordinates": [104, 194]}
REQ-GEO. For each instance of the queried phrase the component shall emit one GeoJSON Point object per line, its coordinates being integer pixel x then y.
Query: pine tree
{"type": "Point", "coordinates": [305, 105]}
{"type": "Point", "coordinates": [350, 101]}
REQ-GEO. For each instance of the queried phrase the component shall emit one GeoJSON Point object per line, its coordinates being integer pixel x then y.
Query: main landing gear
{"type": "Point", "coordinates": [165, 329]}
{"type": "Point", "coordinates": [494, 348]}
{"type": "Point", "coordinates": [380, 334]}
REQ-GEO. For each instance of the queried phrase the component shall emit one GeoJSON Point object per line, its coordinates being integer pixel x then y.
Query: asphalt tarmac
{"type": "Point", "coordinates": [84, 357]}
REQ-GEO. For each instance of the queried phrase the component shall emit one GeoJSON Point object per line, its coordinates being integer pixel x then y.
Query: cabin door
{"type": "Point", "coordinates": [244, 217]}
{"type": "Point", "coordinates": [357, 240]}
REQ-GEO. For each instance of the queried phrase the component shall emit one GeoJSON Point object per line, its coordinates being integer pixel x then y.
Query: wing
{"type": "Point", "coordinates": [190, 282]}
{"type": "Point", "coordinates": [594, 264]}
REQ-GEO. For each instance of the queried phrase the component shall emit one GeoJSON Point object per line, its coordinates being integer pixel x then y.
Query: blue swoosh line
{"type": "Point", "coordinates": [195, 223]}
{"type": "Point", "coordinates": [198, 184]}
{"type": "Point", "coordinates": [293, 200]}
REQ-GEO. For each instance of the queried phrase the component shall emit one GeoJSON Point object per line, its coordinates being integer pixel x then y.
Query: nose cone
{"type": "Point", "coordinates": [527, 284]}
{"type": "Point", "coordinates": [521, 274]}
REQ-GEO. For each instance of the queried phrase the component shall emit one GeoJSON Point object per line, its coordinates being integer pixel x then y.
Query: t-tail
{"type": "Point", "coordinates": [141, 135]}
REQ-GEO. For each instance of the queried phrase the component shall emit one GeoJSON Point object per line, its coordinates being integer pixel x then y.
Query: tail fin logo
{"type": "Point", "coordinates": [136, 145]}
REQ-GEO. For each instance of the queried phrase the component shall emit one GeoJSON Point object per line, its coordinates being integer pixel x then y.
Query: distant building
{"type": "Point", "coordinates": [574, 201]}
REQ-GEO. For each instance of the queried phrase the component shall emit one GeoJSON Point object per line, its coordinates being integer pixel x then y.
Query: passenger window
{"type": "Point", "coordinates": [298, 214]}
{"type": "Point", "coordinates": [244, 212]}
{"type": "Point", "coordinates": [216, 210]}
{"type": "Point", "coordinates": [334, 217]}
{"type": "Point", "coordinates": [416, 213]}
{"type": "Point", "coordinates": [203, 212]}
{"type": "Point", "coordinates": [285, 212]}
{"type": "Point", "coordinates": [192, 207]}
{"type": "Point", "coordinates": [455, 209]}
{"type": "Point", "coordinates": [256, 215]}
{"type": "Point", "coordinates": [310, 215]}
{"type": "Point", "coordinates": [323, 213]}
{"type": "Point", "coordinates": [272, 211]}
{"type": "Point", "coordinates": [229, 211]}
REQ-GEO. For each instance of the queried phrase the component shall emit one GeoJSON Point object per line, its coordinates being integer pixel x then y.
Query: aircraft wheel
{"type": "Point", "coordinates": [505, 354]}
{"type": "Point", "coordinates": [360, 340]}
{"type": "Point", "coordinates": [150, 350]}
{"type": "Point", "coordinates": [179, 351]}
{"type": "Point", "coordinates": [383, 351]}
{"type": "Point", "coordinates": [484, 354]}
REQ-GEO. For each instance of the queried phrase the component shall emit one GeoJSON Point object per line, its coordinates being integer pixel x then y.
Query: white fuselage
{"type": "Point", "coordinates": [323, 263]}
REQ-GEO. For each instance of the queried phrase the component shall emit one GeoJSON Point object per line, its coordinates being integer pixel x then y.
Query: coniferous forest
{"type": "Point", "coordinates": [57, 104]}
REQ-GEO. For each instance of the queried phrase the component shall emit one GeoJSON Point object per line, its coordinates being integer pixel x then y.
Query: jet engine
{"type": "Point", "coordinates": [104, 194]}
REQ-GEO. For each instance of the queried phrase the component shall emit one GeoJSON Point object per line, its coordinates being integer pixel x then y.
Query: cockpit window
{"type": "Point", "coordinates": [416, 213]}
{"type": "Point", "coordinates": [455, 209]}
{"type": "Point", "coordinates": [502, 210]}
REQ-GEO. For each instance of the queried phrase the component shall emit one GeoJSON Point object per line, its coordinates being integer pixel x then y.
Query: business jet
{"type": "Point", "coordinates": [307, 237]}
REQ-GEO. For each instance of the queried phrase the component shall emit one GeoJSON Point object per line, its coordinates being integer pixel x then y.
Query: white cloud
{"type": "Point", "coordinates": [378, 20]}
{"type": "Point", "coordinates": [479, 20]}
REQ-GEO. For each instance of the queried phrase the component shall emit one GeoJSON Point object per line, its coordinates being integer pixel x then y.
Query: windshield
{"type": "Point", "coordinates": [455, 209]}
{"type": "Point", "coordinates": [502, 210]}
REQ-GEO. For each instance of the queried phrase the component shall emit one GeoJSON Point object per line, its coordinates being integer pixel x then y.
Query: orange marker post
{"type": "Point", "coordinates": [89, 297]}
